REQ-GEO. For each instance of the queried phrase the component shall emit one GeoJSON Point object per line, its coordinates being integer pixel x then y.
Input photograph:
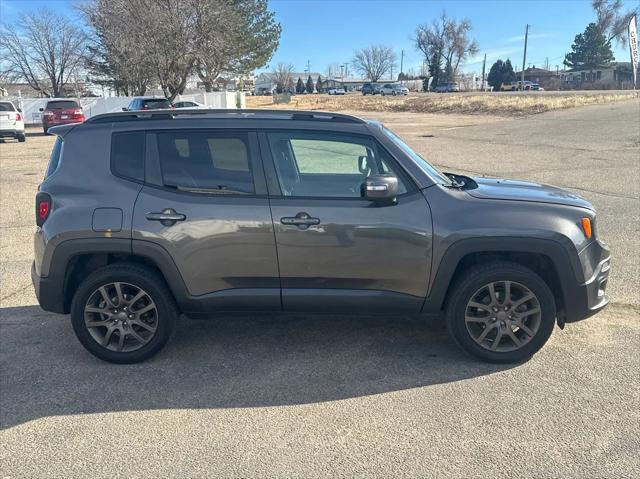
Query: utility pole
{"type": "Point", "coordinates": [391, 72]}
{"type": "Point", "coordinates": [524, 60]}
{"type": "Point", "coordinates": [401, 64]}
{"type": "Point", "coordinates": [309, 67]}
{"type": "Point", "coordinates": [484, 63]}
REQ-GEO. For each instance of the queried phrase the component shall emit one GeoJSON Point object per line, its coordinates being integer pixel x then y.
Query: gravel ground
{"type": "Point", "coordinates": [342, 396]}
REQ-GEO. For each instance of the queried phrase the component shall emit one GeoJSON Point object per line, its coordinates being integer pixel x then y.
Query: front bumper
{"type": "Point", "coordinates": [589, 297]}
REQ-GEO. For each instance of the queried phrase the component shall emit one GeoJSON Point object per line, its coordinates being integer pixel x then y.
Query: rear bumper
{"type": "Point", "coordinates": [11, 132]}
{"type": "Point", "coordinates": [49, 292]}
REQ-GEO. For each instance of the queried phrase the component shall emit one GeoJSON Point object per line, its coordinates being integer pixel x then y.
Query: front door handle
{"type": "Point", "coordinates": [167, 217]}
{"type": "Point", "coordinates": [302, 220]}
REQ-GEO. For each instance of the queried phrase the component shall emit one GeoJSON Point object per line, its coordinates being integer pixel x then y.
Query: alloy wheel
{"type": "Point", "coordinates": [503, 316]}
{"type": "Point", "coordinates": [121, 317]}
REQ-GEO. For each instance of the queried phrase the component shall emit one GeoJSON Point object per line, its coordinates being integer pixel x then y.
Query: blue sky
{"type": "Point", "coordinates": [328, 31]}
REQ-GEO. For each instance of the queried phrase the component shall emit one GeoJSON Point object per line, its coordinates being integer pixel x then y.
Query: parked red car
{"type": "Point", "coordinates": [61, 112]}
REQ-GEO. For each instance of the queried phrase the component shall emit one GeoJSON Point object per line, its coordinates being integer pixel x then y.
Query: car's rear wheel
{"type": "Point", "coordinates": [22, 138]}
{"type": "Point", "coordinates": [501, 312]}
{"type": "Point", "coordinates": [123, 313]}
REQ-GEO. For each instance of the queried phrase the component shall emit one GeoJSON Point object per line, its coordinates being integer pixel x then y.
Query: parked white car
{"type": "Point", "coordinates": [11, 121]}
{"type": "Point", "coordinates": [394, 89]}
{"type": "Point", "coordinates": [190, 104]}
{"type": "Point", "coordinates": [336, 91]}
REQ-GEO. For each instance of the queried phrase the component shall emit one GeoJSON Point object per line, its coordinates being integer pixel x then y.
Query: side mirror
{"type": "Point", "coordinates": [381, 188]}
{"type": "Point", "coordinates": [124, 108]}
{"type": "Point", "coordinates": [19, 110]}
{"type": "Point", "coordinates": [40, 109]}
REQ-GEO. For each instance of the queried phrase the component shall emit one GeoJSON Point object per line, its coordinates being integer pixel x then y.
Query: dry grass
{"type": "Point", "coordinates": [501, 104]}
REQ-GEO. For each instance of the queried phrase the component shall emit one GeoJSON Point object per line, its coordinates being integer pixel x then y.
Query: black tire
{"type": "Point", "coordinates": [45, 130]}
{"type": "Point", "coordinates": [142, 277]}
{"type": "Point", "coordinates": [22, 138]}
{"type": "Point", "coordinates": [474, 279]}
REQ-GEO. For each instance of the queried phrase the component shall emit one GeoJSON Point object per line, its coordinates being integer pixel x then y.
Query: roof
{"type": "Point", "coordinates": [256, 114]}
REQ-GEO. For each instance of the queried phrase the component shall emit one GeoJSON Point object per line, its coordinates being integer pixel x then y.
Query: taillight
{"type": "Point", "coordinates": [18, 117]}
{"type": "Point", "coordinates": [78, 115]}
{"type": "Point", "coordinates": [43, 208]}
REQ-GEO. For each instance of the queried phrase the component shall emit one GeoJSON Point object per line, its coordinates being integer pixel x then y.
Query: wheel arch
{"type": "Point", "coordinates": [548, 258]}
{"type": "Point", "coordinates": [74, 259]}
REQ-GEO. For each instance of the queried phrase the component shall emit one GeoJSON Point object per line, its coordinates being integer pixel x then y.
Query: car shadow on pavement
{"type": "Point", "coordinates": [224, 363]}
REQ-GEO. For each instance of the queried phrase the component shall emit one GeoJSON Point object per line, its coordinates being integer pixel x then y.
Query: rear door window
{"type": "Point", "coordinates": [206, 161]}
{"type": "Point", "coordinates": [127, 155]}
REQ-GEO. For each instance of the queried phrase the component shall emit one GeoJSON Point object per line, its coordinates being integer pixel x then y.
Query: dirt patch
{"type": "Point", "coordinates": [498, 104]}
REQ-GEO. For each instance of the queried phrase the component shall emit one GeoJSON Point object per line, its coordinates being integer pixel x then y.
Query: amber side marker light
{"type": "Point", "coordinates": [586, 227]}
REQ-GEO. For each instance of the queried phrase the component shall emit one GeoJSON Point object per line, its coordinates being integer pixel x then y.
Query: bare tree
{"type": "Point", "coordinates": [282, 75]}
{"type": "Point", "coordinates": [43, 49]}
{"type": "Point", "coordinates": [374, 61]}
{"type": "Point", "coordinates": [445, 45]}
{"type": "Point", "coordinates": [175, 39]}
{"type": "Point", "coordinates": [612, 21]}
{"type": "Point", "coordinates": [333, 70]}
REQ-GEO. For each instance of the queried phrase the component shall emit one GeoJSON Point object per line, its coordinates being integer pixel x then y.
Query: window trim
{"type": "Point", "coordinates": [272, 177]}
{"type": "Point", "coordinates": [153, 173]}
{"type": "Point", "coordinates": [144, 157]}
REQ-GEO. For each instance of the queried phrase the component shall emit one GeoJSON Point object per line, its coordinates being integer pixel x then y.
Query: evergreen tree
{"type": "Point", "coordinates": [508, 75]}
{"type": "Point", "coordinates": [319, 84]}
{"type": "Point", "coordinates": [309, 85]}
{"type": "Point", "coordinates": [300, 86]}
{"type": "Point", "coordinates": [590, 50]}
{"type": "Point", "coordinates": [500, 72]}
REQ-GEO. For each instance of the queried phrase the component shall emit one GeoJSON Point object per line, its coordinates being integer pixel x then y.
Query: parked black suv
{"type": "Point", "coordinates": [142, 216]}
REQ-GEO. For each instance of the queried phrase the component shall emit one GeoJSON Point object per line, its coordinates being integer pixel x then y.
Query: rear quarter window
{"type": "Point", "coordinates": [54, 159]}
{"type": "Point", "coordinates": [127, 155]}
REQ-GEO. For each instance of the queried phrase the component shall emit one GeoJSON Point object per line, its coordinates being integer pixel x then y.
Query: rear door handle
{"type": "Point", "coordinates": [167, 217]}
{"type": "Point", "coordinates": [301, 220]}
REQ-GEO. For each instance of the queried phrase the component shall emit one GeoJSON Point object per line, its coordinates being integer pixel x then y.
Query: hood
{"type": "Point", "coordinates": [501, 189]}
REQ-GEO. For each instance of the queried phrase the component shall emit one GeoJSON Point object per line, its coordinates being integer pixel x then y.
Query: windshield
{"type": "Point", "coordinates": [427, 167]}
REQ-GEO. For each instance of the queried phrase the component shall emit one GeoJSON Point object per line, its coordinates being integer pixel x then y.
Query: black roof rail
{"type": "Point", "coordinates": [170, 114]}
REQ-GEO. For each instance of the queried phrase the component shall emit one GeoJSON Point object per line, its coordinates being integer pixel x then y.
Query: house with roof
{"type": "Point", "coordinates": [613, 75]}
{"type": "Point", "coordinates": [265, 83]}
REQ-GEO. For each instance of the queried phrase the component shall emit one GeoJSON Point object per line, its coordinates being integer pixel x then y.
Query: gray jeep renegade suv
{"type": "Point", "coordinates": [144, 216]}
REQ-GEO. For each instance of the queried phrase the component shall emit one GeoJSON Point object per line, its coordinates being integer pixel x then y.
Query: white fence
{"type": "Point", "coordinates": [95, 106]}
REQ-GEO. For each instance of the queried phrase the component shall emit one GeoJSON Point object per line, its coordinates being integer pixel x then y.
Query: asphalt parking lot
{"type": "Point", "coordinates": [343, 396]}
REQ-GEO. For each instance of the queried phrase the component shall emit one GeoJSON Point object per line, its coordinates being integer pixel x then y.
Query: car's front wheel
{"type": "Point", "coordinates": [123, 313]}
{"type": "Point", "coordinates": [501, 312]}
